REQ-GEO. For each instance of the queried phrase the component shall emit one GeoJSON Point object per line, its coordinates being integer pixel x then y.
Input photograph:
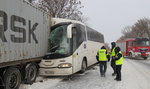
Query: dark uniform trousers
{"type": "Point", "coordinates": [103, 66]}
{"type": "Point", "coordinates": [113, 65]}
{"type": "Point", "coordinates": [118, 71]}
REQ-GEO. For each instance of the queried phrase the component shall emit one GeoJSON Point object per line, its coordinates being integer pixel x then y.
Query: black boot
{"type": "Point", "coordinates": [113, 74]}
{"type": "Point", "coordinates": [118, 80]}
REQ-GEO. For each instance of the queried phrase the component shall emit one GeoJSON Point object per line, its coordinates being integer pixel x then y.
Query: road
{"type": "Point", "coordinates": [135, 75]}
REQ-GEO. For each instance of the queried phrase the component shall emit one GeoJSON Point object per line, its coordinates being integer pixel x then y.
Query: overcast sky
{"type": "Point", "coordinates": [110, 16]}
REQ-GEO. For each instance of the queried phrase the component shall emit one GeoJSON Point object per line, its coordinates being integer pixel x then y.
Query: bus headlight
{"type": "Point", "coordinates": [65, 65]}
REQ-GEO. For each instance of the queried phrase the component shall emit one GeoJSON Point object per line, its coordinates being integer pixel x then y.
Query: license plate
{"type": "Point", "coordinates": [49, 72]}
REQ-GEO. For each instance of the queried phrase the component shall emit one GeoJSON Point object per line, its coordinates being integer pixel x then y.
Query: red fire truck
{"type": "Point", "coordinates": [135, 47]}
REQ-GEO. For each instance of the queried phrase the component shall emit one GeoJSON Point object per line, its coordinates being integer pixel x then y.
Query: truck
{"type": "Point", "coordinates": [135, 47]}
{"type": "Point", "coordinates": [24, 32]}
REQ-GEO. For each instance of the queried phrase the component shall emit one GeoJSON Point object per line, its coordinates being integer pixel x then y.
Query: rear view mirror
{"type": "Point", "coordinates": [69, 31]}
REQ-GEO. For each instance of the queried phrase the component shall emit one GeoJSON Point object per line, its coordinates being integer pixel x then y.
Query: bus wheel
{"type": "Point", "coordinates": [12, 78]}
{"type": "Point", "coordinates": [31, 73]}
{"type": "Point", "coordinates": [83, 66]}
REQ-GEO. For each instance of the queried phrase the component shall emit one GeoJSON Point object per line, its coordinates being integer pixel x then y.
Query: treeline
{"type": "Point", "coordinates": [140, 29]}
{"type": "Point", "coordinates": [69, 9]}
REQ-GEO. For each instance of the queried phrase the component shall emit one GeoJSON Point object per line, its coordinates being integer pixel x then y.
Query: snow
{"type": "Point", "coordinates": [135, 75]}
{"type": "Point", "coordinates": [42, 83]}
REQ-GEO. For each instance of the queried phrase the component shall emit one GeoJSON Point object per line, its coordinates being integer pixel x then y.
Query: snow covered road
{"type": "Point", "coordinates": [135, 75]}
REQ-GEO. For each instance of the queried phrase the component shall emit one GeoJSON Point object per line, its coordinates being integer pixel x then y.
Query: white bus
{"type": "Point", "coordinates": [73, 47]}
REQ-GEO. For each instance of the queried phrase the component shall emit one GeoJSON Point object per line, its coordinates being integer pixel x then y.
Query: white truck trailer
{"type": "Point", "coordinates": [24, 32]}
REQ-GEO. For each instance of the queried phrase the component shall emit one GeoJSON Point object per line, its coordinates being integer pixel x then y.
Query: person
{"type": "Point", "coordinates": [118, 62]}
{"type": "Point", "coordinates": [102, 58]}
{"type": "Point", "coordinates": [113, 46]}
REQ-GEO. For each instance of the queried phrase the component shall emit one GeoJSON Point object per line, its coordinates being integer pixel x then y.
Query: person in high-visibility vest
{"type": "Point", "coordinates": [102, 58]}
{"type": "Point", "coordinates": [118, 62]}
{"type": "Point", "coordinates": [113, 44]}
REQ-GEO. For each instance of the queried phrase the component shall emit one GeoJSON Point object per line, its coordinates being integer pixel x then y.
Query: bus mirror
{"type": "Point", "coordinates": [69, 31]}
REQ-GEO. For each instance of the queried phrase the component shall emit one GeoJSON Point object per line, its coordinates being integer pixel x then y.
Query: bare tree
{"type": "Point", "coordinates": [142, 26]}
{"type": "Point", "coordinates": [33, 2]}
{"type": "Point", "coordinates": [139, 29]}
{"type": "Point", "coordinates": [127, 33]}
{"type": "Point", "coordinates": [63, 8]}
{"type": "Point", "coordinates": [30, 1]}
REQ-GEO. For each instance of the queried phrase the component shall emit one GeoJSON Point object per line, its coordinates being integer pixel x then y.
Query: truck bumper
{"type": "Point", "coordinates": [55, 71]}
{"type": "Point", "coordinates": [138, 54]}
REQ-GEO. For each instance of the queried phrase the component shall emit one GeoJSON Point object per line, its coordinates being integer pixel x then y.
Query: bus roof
{"type": "Point", "coordinates": [60, 20]}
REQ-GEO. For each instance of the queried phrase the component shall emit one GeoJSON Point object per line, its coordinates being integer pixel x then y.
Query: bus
{"type": "Point", "coordinates": [72, 47]}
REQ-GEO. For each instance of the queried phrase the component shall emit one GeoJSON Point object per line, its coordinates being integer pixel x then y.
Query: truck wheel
{"type": "Point", "coordinates": [12, 78]}
{"type": "Point", "coordinates": [83, 66]}
{"type": "Point", "coordinates": [130, 56]}
{"type": "Point", "coordinates": [31, 73]}
{"type": "Point", "coordinates": [145, 58]}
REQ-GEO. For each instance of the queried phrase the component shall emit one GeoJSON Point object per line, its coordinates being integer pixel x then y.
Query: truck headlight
{"type": "Point", "coordinates": [65, 65]}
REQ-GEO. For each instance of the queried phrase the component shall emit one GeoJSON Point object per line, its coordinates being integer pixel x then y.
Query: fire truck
{"type": "Point", "coordinates": [135, 47]}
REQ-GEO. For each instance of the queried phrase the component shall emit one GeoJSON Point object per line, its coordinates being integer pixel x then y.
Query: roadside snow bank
{"type": "Point", "coordinates": [42, 83]}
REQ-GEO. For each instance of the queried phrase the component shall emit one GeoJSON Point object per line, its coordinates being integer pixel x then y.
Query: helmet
{"type": "Point", "coordinates": [113, 44]}
{"type": "Point", "coordinates": [103, 47]}
{"type": "Point", "coordinates": [117, 49]}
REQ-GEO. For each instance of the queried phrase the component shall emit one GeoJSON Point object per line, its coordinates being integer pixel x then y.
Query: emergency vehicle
{"type": "Point", "coordinates": [135, 47]}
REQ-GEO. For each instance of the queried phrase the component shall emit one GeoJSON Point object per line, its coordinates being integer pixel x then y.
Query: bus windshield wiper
{"type": "Point", "coordinates": [53, 47]}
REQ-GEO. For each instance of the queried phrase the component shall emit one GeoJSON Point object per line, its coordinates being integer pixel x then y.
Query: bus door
{"type": "Point", "coordinates": [76, 51]}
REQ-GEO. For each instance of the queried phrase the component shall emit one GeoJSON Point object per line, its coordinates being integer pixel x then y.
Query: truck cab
{"type": "Point", "coordinates": [138, 47]}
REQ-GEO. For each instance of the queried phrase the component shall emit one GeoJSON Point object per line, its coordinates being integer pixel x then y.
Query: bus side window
{"type": "Point", "coordinates": [79, 35]}
{"type": "Point", "coordinates": [74, 38]}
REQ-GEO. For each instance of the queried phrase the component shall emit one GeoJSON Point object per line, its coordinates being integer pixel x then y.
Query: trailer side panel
{"type": "Point", "coordinates": [24, 31]}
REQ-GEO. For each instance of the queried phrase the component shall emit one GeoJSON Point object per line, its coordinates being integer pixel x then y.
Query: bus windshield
{"type": "Point", "coordinates": [59, 46]}
{"type": "Point", "coordinates": [142, 43]}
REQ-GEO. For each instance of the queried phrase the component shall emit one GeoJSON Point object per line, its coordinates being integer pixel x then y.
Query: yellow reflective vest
{"type": "Point", "coordinates": [113, 52]}
{"type": "Point", "coordinates": [102, 56]}
{"type": "Point", "coordinates": [120, 61]}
